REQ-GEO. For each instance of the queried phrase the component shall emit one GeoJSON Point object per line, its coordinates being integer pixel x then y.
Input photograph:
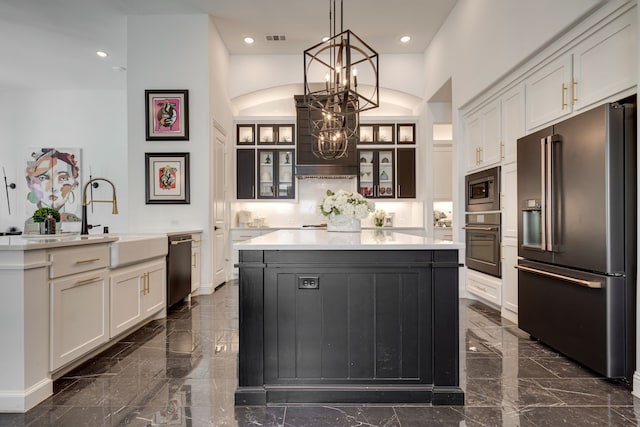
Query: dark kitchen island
{"type": "Point", "coordinates": [369, 317]}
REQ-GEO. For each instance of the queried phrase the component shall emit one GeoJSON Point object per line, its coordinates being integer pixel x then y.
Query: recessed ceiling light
{"type": "Point", "coordinates": [102, 54]}
{"type": "Point", "coordinates": [405, 39]}
{"type": "Point", "coordinates": [249, 40]}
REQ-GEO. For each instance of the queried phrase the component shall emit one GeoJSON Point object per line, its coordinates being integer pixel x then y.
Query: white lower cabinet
{"type": "Point", "coordinates": [487, 287]}
{"type": "Point", "coordinates": [79, 315]}
{"type": "Point", "coordinates": [137, 292]}
{"type": "Point", "coordinates": [196, 268]}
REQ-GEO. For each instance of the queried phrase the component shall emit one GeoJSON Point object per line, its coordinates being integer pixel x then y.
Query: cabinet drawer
{"type": "Point", "coordinates": [489, 289]}
{"type": "Point", "coordinates": [241, 235]}
{"type": "Point", "coordinates": [77, 259]}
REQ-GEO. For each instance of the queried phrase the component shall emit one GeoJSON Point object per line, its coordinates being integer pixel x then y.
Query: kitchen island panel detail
{"type": "Point", "coordinates": [365, 331]}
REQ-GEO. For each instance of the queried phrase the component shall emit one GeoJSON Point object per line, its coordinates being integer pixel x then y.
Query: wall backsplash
{"type": "Point", "coordinates": [407, 213]}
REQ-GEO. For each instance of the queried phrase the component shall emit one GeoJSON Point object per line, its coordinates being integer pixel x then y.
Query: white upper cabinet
{"type": "Point", "coordinates": [512, 123]}
{"type": "Point", "coordinates": [482, 137]}
{"type": "Point", "coordinates": [605, 63]}
{"type": "Point", "coordinates": [548, 93]}
{"type": "Point", "coordinates": [600, 66]}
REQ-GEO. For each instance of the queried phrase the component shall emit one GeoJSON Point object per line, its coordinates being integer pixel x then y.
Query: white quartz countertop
{"type": "Point", "coordinates": [26, 242]}
{"type": "Point", "coordinates": [325, 240]}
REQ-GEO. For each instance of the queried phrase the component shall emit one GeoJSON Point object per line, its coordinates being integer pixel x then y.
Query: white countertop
{"type": "Point", "coordinates": [26, 242]}
{"type": "Point", "coordinates": [325, 240]}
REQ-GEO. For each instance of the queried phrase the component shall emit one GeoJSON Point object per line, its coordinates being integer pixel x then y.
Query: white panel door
{"type": "Point", "coordinates": [512, 123]}
{"type": "Point", "coordinates": [219, 208]}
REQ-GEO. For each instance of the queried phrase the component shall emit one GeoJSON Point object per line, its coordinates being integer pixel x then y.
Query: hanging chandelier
{"type": "Point", "coordinates": [340, 81]}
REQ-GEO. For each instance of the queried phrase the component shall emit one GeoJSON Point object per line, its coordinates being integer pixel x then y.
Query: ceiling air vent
{"type": "Point", "coordinates": [275, 37]}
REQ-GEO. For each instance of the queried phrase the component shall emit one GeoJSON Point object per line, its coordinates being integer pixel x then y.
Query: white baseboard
{"type": "Point", "coordinates": [636, 384]}
{"type": "Point", "coordinates": [20, 402]}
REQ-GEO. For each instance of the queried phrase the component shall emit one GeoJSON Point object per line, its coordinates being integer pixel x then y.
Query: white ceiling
{"type": "Point", "coordinates": [51, 44]}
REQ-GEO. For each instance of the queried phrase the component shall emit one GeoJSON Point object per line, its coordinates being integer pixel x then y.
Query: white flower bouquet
{"type": "Point", "coordinates": [344, 203]}
{"type": "Point", "coordinates": [378, 217]}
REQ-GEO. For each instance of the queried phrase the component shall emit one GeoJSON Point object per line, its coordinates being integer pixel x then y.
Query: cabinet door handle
{"type": "Point", "coordinates": [82, 282]}
{"type": "Point", "coordinates": [84, 261]}
{"type": "Point", "coordinates": [193, 260]}
{"type": "Point", "coordinates": [574, 85]}
{"type": "Point", "coordinates": [564, 89]}
{"type": "Point", "coordinates": [398, 191]}
{"type": "Point", "coordinates": [501, 151]}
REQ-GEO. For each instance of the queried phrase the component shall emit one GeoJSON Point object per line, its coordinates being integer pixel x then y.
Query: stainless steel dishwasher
{"type": "Point", "coordinates": [178, 268]}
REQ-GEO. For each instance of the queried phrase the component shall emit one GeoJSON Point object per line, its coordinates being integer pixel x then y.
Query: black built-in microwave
{"type": "Point", "coordinates": [483, 190]}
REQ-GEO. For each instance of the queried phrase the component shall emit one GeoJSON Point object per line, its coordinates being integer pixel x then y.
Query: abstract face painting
{"type": "Point", "coordinates": [53, 180]}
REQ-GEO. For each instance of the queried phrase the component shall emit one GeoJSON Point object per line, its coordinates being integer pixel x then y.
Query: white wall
{"type": "Point", "coordinates": [181, 61]}
{"type": "Point", "coordinates": [95, 121]}
{"type": "Point", "coordinates": [482, 40]}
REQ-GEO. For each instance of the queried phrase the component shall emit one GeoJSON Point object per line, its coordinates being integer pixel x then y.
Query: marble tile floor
{"type": "Point", "coordinates": [181, 371]}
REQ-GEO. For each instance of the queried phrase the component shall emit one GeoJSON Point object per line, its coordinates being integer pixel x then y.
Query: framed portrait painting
{"type": "Point", "coordinates": [167, 178]}
{"type": "Point", "coordinates": [167, 115]}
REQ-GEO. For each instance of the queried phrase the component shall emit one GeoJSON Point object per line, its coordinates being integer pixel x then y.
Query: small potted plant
{"type": "Point", "coordinates": [46, 218]}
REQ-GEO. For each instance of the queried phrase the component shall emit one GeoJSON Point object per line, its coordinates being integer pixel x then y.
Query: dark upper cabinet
{"type": "Point", "coordinates": [383, 133]}
{"type": "Point", "coordinates": [406, 166]}
{"type": "Point", "coordinates": [406, 133]}
{"type": "Point", "coordinates": [276, 134]}
{"type": "Point", "coordinates": [377, 173]}
{"type": "Point", "coordinates": [245, 134]}
{"type": "Point", "coordinates": [245, 173]}
{"type": "Point", "coordinates": [275, 174]}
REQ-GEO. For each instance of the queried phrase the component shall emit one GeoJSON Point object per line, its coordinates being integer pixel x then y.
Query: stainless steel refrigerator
{"type": "Point", "coordinates": [577, 237]}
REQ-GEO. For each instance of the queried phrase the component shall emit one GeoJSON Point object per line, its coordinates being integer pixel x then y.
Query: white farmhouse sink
{"type": "Point", "coordinates": [132, 248]}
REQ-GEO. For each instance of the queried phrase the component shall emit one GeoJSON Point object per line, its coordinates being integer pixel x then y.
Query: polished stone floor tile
{"type": "Point", "coordinates": [181, 371]}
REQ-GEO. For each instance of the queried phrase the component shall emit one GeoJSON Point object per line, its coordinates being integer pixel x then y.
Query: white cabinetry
{"type": "Point", "coordinates": [442, 175]}
{"type": "Point", "coordinates": [482, 137]}
{"type": "Point", "coordinates": [596, 68]}
{"type": "Point", "coordinates": [488, 288]}
{"type": "Point", "coordinates": [79, 301]}
{"type": "Point", "coordinates": [137, 292]}
{"type": "Point", "coordinates": [509, 242]}
{"type": "Point", "coordinates": [512, 123]}
{"type": "Point", "coordinates": [196, 269]}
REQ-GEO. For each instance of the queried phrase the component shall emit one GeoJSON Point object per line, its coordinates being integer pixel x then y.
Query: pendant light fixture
{"type": "Point", "coordinates": [340, 81]}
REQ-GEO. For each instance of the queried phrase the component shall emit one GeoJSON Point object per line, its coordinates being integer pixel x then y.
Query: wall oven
{"type": "Point", "coordinates": [482, 231]}
{"type": "Point", "coordinates": [483, 190]}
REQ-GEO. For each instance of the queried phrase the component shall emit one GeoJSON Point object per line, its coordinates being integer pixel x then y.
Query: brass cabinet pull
{"type": "Point", "coordinates": [193, 260]}
{"type": "Point", "coordinates": [588, 283]}
{"type": "Point", "coordinates": [574, 99]}
{"type": "Point", "coordinates": [84, 261]}
{"type": "Point", "coordinates": [501, 151]}
{"type": "Point", "coordinates": [564, 89]}
{"type": "Point", "coordinates": [82, 282]}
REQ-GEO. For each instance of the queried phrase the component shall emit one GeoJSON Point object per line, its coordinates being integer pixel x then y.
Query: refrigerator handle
{"type": "Point", "coordinates": [549, 195]}
{"type": "Point", "coordinates": [543, 194]}
{"type": "Point", "coordinates": [594, 284]}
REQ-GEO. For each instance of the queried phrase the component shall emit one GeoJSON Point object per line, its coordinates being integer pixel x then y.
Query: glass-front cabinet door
{"type": "Point", "coordinates": [275, 174]}
{"type": "Point", "coordinates": [377, 173]}
{"type": "Point", "coordinates": [386, 187]}
{"type": "Point", "coordinates": [266, 189]}
{"type": "Point", "coordinates": [285, 175]}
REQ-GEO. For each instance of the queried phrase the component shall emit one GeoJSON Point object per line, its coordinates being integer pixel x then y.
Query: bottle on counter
{"type": "Point", "coordinates": [50, 224]}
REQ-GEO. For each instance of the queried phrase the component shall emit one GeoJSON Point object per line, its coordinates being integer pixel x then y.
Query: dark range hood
{"type": "Point", "coordinates": [310, 166]}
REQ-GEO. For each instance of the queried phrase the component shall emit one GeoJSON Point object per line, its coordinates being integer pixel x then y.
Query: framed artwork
{"type": "Point", "coordinates": [167, 178]}
{"type": "Point", "coordinates": [167, 115]}
{"type": "Point", "coordinates": [54, 180]}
